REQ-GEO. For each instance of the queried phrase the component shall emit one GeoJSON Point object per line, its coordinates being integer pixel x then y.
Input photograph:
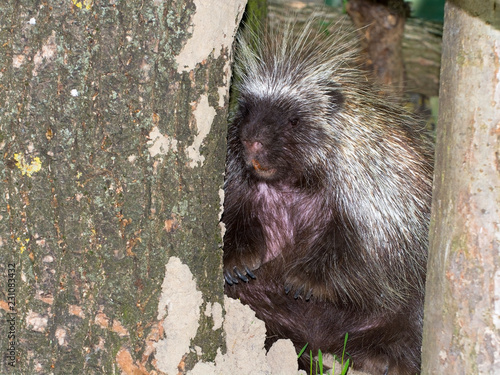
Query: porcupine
{"type": "Point", "coordinates": [327, 202]}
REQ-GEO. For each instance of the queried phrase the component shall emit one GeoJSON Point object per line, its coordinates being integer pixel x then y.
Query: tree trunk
{"type": "Point", "coordinates": [112, 132]}
{"type": "Point", "coordinates": [381, 26]}
{"type": "Point", "coordinates": [462, 311]}
{"type": "Point", "coordinates": [421, 41]}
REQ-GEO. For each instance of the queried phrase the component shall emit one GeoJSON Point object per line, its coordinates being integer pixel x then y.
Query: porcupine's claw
{"type": "Point", "coordinates": [229, 278]}
{"type": "Point", "coordinates": [309, 295]}
{"type": "Point", "coordinates": [250, 273]}
{"type": "Point", "coordinates": [240, 275]}
{"type": "Point", "coordinates": [298, 292]}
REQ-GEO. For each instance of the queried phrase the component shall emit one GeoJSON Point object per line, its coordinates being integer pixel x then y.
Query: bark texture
{"type": "Point", "coordinates": [462, 311]}
{"type": "Point", "coordinates": [112, 136]}
{"type": "Point", "coordinates": [381, 26]}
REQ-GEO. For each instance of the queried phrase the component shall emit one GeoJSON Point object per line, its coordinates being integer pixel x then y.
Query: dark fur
{"type": "Point", "coordinates": [327, 202]}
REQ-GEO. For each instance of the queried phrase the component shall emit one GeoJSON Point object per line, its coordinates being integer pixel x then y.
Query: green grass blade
{"type": "Point", "coordinates": [343, 351]}
{"type": "Point", "coordinates": [346, 367]}
{"type": "Point", "coordinates": [320, 361]}
{"type": "Point", "coordinates": [302, 350]}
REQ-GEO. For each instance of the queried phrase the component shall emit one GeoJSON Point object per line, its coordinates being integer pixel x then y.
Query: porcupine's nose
{"type": "Point", "coordinates": [253, 147]}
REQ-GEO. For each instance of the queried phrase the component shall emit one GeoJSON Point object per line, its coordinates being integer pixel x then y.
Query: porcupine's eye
{"type": "Point", "coordinates": [293, 121]}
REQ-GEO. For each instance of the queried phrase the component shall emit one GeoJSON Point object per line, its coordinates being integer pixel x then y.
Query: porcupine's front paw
{"type": "Point", "coordinates": [241, 267]}
{"type": "Point", "coordinates": [303, 284]}
{"type": "Point", "coordinates": [298, 289]}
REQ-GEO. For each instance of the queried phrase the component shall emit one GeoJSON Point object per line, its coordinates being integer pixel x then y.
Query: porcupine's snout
{"type": "Point", "coordinates": [257, 137]}
{"type": "Point", "coordinates": [253, 147]}
{"type": "Point", "coordinates": [257, 158]}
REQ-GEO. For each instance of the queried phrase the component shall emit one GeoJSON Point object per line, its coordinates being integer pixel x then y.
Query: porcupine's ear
{"type": "Point", "coordinates": [335, 96]}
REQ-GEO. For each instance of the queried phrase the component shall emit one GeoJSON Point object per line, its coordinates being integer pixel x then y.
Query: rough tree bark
{"type": "Point", "coordinates": [112, 134]}
{"type": "Point", "coordinates": [462, 311]}
{"type": "Point", "coordinates": [381, 26]}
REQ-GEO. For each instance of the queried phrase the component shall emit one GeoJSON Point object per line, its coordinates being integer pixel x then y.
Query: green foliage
{"type": "Point", "coordinates": [256, 12]}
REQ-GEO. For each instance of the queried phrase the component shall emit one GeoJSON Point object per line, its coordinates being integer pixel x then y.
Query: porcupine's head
{"type": "Point", "coordinates": [290, 92]}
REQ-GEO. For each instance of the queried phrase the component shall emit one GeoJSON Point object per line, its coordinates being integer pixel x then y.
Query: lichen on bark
{"type": "Point", "coordinates": [92, 225]}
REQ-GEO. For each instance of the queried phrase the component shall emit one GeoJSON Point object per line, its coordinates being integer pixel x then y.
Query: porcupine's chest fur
{"type": "Point", "coordinates": [286, 215]}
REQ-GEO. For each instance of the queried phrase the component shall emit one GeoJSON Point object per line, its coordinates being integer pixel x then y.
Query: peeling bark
{"type": "Point", "coordinates": [112, 132]}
